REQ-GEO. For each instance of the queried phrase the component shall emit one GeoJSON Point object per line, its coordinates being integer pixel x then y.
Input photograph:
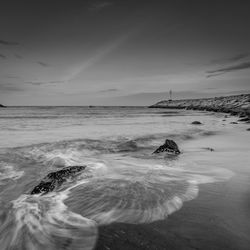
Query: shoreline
{"type": "Point", "coordinates": [235, 105]}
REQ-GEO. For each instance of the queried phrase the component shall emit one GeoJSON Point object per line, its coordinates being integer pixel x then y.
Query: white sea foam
{"type": "Point", "coordinates": [49, 224]}
{"type": "Point", "coordinates": [137, 192]}
{"type": "Point", "coordinates": [9, 172]}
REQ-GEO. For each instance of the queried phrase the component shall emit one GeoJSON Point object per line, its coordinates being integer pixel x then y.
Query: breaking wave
{"type": "Point", "coordinates": [131, 191]}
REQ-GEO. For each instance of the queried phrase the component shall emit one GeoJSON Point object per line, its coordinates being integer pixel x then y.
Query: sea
{"type": "Point", "coordinates": [123, 182]}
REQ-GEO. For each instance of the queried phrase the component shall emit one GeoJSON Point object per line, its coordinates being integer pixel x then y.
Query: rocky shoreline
{"type": "Point", "coordinates": [2, 106]}
{"type": "Point", "coordinates": [235, 105]}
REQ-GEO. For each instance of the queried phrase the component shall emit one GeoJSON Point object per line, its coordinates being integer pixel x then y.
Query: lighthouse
{"type": "Point", "coordinates": [170, 95]}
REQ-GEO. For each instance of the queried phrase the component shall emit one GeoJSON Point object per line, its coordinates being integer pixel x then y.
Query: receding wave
{"type": "Point", "coordinates": [130, 191]}
{"type": "Point", "coordinates": [119, 184]}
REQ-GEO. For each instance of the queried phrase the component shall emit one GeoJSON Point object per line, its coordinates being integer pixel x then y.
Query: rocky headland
{"type": "Point", "coordinates": [235, 105]}
{"type": "Point", "coordinates": [2, 106]}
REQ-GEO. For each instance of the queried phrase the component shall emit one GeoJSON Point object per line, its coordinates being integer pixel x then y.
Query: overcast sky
{"type": "Point", "coordinates": [122, 52]}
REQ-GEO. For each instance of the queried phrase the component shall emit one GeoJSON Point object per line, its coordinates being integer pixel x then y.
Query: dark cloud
{"type": "Point", "coordinates": [231, 59]}
{"type": "Point", "coordinates": [3, 56]}
{"type": "Point", "coordinates": [8, 43]}
{"type": "Point", "coordinates": [240, 66]}
{"type": "Point", "coordinates": [97, 6]}
{"type": "Point", "coordinates": [43, 64]}
{"type": "Point", "coordinates": [217, 74]}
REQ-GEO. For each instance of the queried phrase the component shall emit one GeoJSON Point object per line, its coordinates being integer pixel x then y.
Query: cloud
{"type": "Point", "coordinates": [59, 81]}
{"type": "Point", "coordinates": [99, 6]}
{"type": "Point", "coordinates": [37, 83]}
{"type": "Point", "coordinates": [43, 64]}
{"type": "Point", "coordinates": [108, 90]}
{"type": "Point", "coordinates": [10, 87]}
{"type": "Point", "coordinates": [217, 74]}
{"type": "Point", "coordinates": [12, 77]}
{"type": "Point", "coordinates": [231, 59]}
{"type": "Point", "coordinates": [240, 66]}
{"type": "Point", "coordinates": [3, 56]}
{"type": "Point", "coordinates": [8, 43]}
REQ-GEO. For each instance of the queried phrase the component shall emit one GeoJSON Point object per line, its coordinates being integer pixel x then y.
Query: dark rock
{"type": "Point", "coordinates": [55, 179]}
{"type": "Point", "coordinates": [169, 146]}
{"type": "Point", "coordinates": [248, 129]}
{"type": "Point", "coordinates": [246, 119]}
{"type": "Point", "coordinates": [2, 106]}
{"type": "Point", "coordinates": [234, 105]}
{"type": "Point", "coordinates": [196, 123]}
{"type": "Point", "coordinates": [233, 122]}
{"type": "Point", "coordinates": [234, 113]}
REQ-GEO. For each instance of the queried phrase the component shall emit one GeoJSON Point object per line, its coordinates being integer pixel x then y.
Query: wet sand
{"type": "Point", "coordinates": [204, 223]}
{"type": "Point", "coordinates": [217, 219]}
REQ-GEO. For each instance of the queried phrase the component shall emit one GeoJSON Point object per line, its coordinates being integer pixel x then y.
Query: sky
{"type": "Point", "coordinates": [122, 52]}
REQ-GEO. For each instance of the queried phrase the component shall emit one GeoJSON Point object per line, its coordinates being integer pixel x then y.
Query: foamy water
{"type": "Point", "coordinates": [123, 181]}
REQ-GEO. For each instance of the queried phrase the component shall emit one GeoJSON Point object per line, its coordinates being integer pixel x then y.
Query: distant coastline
{"type": "Point", "coordinates": [235, 105]}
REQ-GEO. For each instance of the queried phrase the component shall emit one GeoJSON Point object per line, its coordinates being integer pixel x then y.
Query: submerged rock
{"type": "Point", "coordinates": [55, 179]}
{"type": "Point", "coordinates": [196, 123]}
{"type": "Point", "coordinates": [248, 129]}
{"type": "Point", "coordinates": [233, 122]}
{"type": "Point", "coordinates": [169, 146]}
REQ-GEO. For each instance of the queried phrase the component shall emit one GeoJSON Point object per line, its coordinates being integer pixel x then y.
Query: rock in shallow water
{"type": "Point", "coordinates": [55, 179]}
{"type": "Point", "coordinates": [169, 146]}
{"type": "Point", "coordinates": [196, 123]}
